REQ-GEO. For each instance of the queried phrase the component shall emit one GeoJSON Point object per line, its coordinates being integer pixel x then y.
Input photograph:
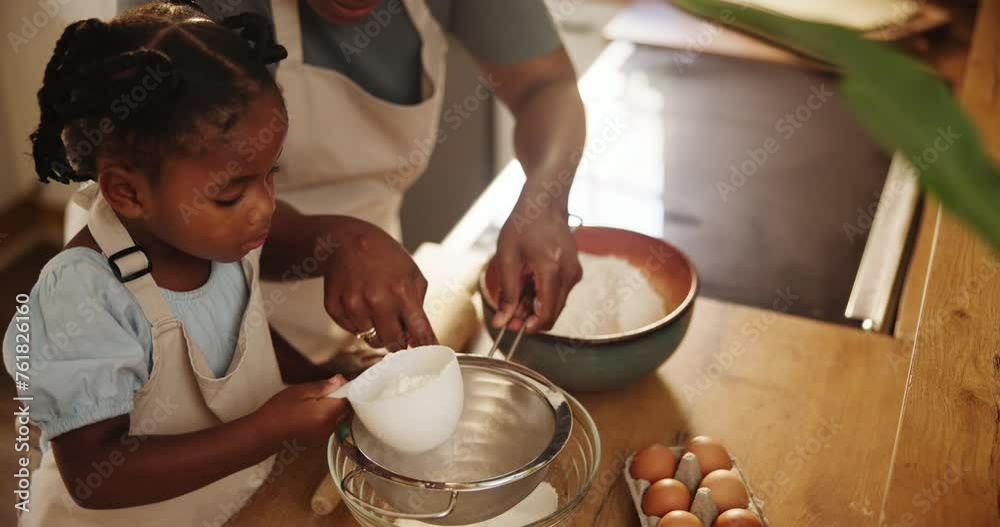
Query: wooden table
{"type": "Point", "coordinates": [809, 411]}
{"type": "Point", "coordinates": [946, 466]}
{"type": "Point", "coordinates": [814, 413]}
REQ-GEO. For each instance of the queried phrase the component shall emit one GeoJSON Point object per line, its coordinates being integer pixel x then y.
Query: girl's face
{"type": "Point", "coordinates": [218, 205]}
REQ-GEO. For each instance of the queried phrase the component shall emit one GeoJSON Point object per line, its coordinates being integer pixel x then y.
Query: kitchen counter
{"type": "Point", "coordinates": [832, 425]}
{"type": "Point", "coordinates": [791, 398]}
{"type": "Point", "coordinates": [946, 463]}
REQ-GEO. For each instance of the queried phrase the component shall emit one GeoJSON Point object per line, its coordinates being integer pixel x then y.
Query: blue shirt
{"type": "Point", "coordinates": [91, 345]}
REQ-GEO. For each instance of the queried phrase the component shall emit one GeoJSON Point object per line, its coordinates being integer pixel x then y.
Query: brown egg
{"type": "Point", "coordinates": [665, 496]}
{"type": "Point", "coordinates": [738, 518]}
{"type": "Point", "coordinates": [680, 519]}
{"type": "Point", "coordinates": [654, 463]}
{"type": "Point", "coordinates": [711, 454]}
{"type": "Point", "coordinates": [727, 488]}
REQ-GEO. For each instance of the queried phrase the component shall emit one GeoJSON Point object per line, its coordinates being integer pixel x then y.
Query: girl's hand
{"type": "Point", "coordinates": [373, 283]}
{"type": "Point", "coordinates": [542, 247]}
{"type": "Point", "coordinates": [303, 411]}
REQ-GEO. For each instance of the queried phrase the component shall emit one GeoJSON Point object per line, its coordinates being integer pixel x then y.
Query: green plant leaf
{"type": "Point", "coordinates": [903, 105]}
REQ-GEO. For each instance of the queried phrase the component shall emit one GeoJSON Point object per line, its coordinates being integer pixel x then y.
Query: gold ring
{"type": "Point", "coordinates": [368, 335]}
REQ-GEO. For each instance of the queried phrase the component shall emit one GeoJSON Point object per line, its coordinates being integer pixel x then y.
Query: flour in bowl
{"type": "Point", "coordinates": [612, 297]}
{"type": "Point", "coordinates": [542, 502]}
{"type": "Point", "coordinates": [404, 383]}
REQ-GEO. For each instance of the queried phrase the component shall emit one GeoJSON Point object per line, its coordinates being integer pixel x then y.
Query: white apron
{"type": "Point", "coordinates": [349, 153]}
{"type": "Point", "coordinates": [182, 395]}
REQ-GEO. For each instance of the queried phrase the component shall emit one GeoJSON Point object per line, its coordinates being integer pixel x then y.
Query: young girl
{"type": "Point", "coordinates": [154, 380]}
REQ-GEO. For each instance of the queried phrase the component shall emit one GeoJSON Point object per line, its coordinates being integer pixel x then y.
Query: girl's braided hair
{"type": "Point", "coordinates": [152, 82]}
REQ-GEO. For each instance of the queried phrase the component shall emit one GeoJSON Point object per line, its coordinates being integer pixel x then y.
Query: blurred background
{"type": "Point", "coordinates": [739, 153]}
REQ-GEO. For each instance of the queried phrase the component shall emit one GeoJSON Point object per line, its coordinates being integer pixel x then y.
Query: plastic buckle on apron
{"type": "Point", "coordinates": [122, 254]}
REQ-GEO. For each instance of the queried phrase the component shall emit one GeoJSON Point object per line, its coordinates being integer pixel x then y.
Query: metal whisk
{"type": "Point", "coordinates": [524, 306]}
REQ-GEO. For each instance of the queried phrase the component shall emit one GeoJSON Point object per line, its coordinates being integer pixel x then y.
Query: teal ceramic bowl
{"type": "Point", "coordinates": [608, 362]}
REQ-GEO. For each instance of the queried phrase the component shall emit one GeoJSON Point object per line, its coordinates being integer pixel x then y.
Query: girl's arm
{"type": "Point", "coordinates": [138, 470]}
{"type": "Point", "coordinates": [369, 278]}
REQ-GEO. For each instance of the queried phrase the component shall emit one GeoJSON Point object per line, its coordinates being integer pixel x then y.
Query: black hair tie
{"type": "Point", "coordinates": [77, 44]}
{"type": "Point", "coordinates": [259, 31]}
{"type": "Point", "coordinates": [186, 3]}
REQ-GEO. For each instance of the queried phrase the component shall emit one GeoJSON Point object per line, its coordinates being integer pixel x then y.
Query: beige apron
{"type": "Point", "coordinates": [182, 395]}
{"type": "Point", "coordinates": [350, 153]}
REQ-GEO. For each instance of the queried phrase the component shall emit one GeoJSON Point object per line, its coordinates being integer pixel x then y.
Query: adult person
{"type": "Point", "coordinates": [360, 108]}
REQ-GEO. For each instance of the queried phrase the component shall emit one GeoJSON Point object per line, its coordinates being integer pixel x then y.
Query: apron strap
{"type": "Point", "coordinates": [432, 36]}
{"type": "Point", "coordinates": [288, 28]}
{"type": "Point", "coordinates": [433, 46]}
{"type": "Point", "coordinates": [129, 262]}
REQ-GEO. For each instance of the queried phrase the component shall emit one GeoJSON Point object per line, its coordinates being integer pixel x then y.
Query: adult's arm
{"type": "Point", "coordinates": [519, 51]}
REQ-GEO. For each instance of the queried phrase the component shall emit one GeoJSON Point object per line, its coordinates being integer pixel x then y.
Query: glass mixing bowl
{"type": "Point", "coordinates": [569, 469]}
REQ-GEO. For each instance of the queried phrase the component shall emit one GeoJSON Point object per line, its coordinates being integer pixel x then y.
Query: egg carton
{"type": "Point", "coordinates": [688, 472]}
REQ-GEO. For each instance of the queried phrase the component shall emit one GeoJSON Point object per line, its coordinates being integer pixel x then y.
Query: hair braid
{"type": "Point", "coordinates": [99, 84]}
{"type": "Point", "coordinates": [48, 149]}
{"type": "Point", "coordinates": [203, 78]}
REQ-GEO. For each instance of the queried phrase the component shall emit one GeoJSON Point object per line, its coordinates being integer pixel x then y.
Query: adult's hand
{"type": "Point", "coordinates": [538, 247]}
{"type": "Point", "coordinates": [372, 282]}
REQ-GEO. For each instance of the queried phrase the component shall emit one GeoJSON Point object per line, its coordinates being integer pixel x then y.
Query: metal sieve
{"type": "Point", "coordinates": [515, 422]}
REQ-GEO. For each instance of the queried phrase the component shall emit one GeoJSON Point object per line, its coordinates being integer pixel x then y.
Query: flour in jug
{"type": "Point", "coordinates": [404, 383]}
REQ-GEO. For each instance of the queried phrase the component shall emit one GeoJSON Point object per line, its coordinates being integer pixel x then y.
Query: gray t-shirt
{"type": "Point", "coordinates": [382, 52]}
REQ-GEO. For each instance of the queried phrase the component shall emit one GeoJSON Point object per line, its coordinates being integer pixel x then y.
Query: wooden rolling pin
{"type": "Point", "coordinates": [453, 317]}
{"type": "Point", "coordinates": [451, 281]}
{"type": "Point", "coordinates": [326, 498]}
